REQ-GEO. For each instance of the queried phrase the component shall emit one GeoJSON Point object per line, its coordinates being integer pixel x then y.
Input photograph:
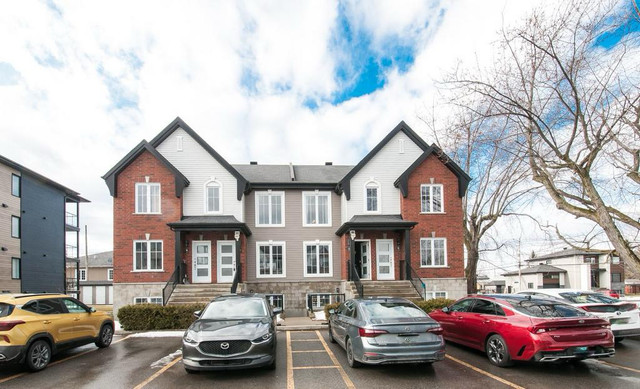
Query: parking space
{"type": "Point", "coordinates": [308, 360]}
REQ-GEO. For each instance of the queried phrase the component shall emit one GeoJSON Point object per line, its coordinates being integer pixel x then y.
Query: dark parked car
{"type": "Point", "coordinates": [232, 332]}
{"type": "Point", "coordinates": [519, 327]}
{"type": "Point", "coordinates": [379, 330]}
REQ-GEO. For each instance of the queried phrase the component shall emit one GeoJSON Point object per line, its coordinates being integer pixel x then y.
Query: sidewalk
{"type": "Point", "coordinates": [301, 323]}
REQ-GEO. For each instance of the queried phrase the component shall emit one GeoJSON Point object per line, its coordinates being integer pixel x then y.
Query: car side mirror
{"type": "Point", "coordinates": [197, 314]}
{"type": "Point", "coordinates": [446, 310]}
{"type": "Point", "coordinates": [332, 312]}
{"type": "Point", "coordinates": [277, 310]}
{"type": "Point", "coordinates": [92, 310]}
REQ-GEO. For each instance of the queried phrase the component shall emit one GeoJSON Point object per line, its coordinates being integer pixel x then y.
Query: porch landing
{"type": "Point", "coordinates": [386, 288]}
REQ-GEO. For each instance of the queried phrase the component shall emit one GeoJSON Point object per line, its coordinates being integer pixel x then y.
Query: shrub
{"type": "Point", "coordinates": [430, 305]}
{"type": "Point", "coordinates": [328, 307]}
{"type": "Point", "coordinates": [145, 317]}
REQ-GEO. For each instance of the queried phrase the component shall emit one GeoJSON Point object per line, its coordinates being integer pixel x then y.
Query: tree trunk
{"type": "Point", "coordinates": [470, 271]}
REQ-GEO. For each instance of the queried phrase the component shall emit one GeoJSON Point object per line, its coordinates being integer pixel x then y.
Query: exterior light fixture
{"type": "Point", "coordinates": [236, 235]}
{"type": "Point", "coordinates": [352, 234]}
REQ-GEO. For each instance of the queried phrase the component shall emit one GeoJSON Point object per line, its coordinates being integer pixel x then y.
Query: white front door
{"type": "Point", "coordinates": [201, 262]}
{"type": "Point", "coordinates": [226, 260]}
{"type": "Point", "coordinates": [384, 259]}
{"type": "Point", "coordinates": [365, 262]}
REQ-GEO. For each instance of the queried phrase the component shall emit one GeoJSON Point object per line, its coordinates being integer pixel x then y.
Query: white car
{"type": "Point", "coordinates": [624, 316]}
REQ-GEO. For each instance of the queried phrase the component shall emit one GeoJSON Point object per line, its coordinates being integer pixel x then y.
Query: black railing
{"type": "Point", "coordinates": [174, 280]}
{"type": "Point", "coordinates": [237, 278]}
{"type": "Point", "coordinates": [417, 282]}
{"type": "Point", "coordinates": [353, 276]}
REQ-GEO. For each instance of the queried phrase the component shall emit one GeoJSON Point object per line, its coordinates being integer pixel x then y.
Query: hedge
{"type": "Point", "coordinates": [430, 305]}
{"type": "Point", "coordinates": [145, 317]}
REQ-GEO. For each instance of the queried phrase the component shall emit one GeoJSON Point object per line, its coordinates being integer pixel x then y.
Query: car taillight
{"type": "Point", "coordinates": [540, 330]}
{"type": "Point", "coordinates": [9, 324]}
{"type": "Point", "coordinates": [586, 308]}
{"type": "Point", "coordinates": [436, 330]}
{"type": "Point", "coordinates": [369, 333]}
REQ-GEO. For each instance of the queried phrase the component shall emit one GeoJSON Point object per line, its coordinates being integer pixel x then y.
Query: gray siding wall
{"type": "Point", "coordinates": [294, 234]}
{"type": "Point", "coordinates": [12, 244]}
{"type": "Point", "coordinates": [43, 252]}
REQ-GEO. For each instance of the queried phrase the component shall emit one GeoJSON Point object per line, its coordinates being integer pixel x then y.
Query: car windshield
{"type": "Point", "coordinates": [5, 309]}
{"type": "Point", "coordinates": [384, 310]}
{"type": "Point", "coordinates": [581, 298]}
{"type": "Point", "coordinates": [235, 308]}
{"type": "Point", "coordinates": [539, 308]}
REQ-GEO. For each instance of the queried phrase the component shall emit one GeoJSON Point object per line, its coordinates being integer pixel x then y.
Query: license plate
{"type": "Point", "coordinates": [582, 349]}
{"type": "Point", "coordinates": [618, 321]}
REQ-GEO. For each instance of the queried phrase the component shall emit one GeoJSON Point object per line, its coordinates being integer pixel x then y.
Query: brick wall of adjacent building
{"type": "Point", "coordinates": [441, 225]}
{"type": "Point", "coordinates": [129, 226]}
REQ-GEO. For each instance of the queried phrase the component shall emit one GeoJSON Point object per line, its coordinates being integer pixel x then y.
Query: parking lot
{"type": "Point", "coordinates": [306, 359]}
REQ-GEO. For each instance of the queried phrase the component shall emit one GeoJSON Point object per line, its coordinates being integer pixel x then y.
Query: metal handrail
{"type": "Point", "coordinates": [175, 279]}
{"type": "Point", "coordinates": [237, 278]}
{"type": "Point", "coordinates": [355, 278]}
{"type": "Point", "coordinates": [417, 282]}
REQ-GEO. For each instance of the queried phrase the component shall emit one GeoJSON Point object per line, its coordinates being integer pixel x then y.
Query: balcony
{"type": "Point", "coordinates": [71, 221]}
{"type": "Point", "coordinates": [71, 252]}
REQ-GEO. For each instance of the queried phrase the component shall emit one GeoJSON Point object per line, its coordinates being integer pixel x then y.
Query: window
{"type": "Point", "coordinates": [213, 197]}
{"type": "Point", "coordinates": [431, 198]}
{"type": "Point", "coordinates": [372, 197]}
{"type": "Point", "coordinates": [44, 307]}
{"type": "Point", "coordinates": [318, 259]}
{"type": "Point", "coordinates": [316, 208]}
{"type": "Point", "coordinates": [74, 306]}
{"type": "Point", "coordinates": [615, 260]}
{"type": "Point", "coordinates": [83, 274]}
{"type": "Point", "coordinates": [271, 259]}
{"type": "Point", "coordinates": [530, 285]}
{"type": "Point", "coordinates": [15, 227]}
{"type": "Point", "coordinates": [270, 209]}
{"type": "Point", "coordinates": [179, 143]}
{"type": "Point", "coordinates": [15, 185]}
{"type": "Point", "coordinates": [147, 255]}
{"type": "Point", "coordinates": [147, 198]}
{"type": "Point", "coordinates": [433, 252]}
{"type": "Point", "coordinates": [147, 300]}
{"type": "Point", "coordinates": [461, 306]}
{"type": "Point", "coordinates": [484, 307]}
{"type": "Point", "coordinates": [616, 277]}
{"type": "Point", "coordinates": [436, 295]}
{"type": "Point", "coordinates": [109, 274]}
{"type": "Point", "coordinates": [318, 300]}
{"type": "Point", "coordinates": [15, 268]}
{"type": "Point", "coordinates": [591, 259]}
{"type": "Point", "coordinates": [275, 300]}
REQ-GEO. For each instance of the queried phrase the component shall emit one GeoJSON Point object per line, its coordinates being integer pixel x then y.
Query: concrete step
{"type": "Point", "coordinates": [199, 293]}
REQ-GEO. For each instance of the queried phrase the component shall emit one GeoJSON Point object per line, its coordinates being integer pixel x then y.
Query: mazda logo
{"type": "Point", "coordinates": [224, 345]}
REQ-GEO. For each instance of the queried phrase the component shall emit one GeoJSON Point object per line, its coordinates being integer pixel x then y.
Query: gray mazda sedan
{"type": "Point", "coordinates": [232, 332]}
{"type": "Point", "coordinates": [379, 330]}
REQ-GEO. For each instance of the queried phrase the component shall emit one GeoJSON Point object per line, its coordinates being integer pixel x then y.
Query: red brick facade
{"type": "Point", "coordinates": [129, 226]}
{"type": "Point", "coordinates": [213, 237]}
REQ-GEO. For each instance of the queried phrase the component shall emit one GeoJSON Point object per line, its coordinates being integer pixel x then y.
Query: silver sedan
{"type": "Point", "coordinates": [379, 330]}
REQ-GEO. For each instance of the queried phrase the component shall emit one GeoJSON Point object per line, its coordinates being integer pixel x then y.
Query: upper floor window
{"type": "Point", "coordinates": [270, 209]}
{"type": "Point", "coordinates": [213, 197]}
{"type": "Point", "coordinates": [15, 185]}
{"type": "Point", "coordinates": [317, 258]}
{"type": "Point", "coordinates": [147, 197]}
{"type": "Point", "coordinates": [147, 255]}
{"type": "Point", "coordinates": [15, 226]}
{"type": "Point", "coordinates": [15, 268]}
{"type": "Point", "coordinates": [271, 259]}
{"type": "Point", "coordinates": [316, 208]}
{"type": "Point", "coordinates": [83, 274]}
{"type": "Point", "coordinates": [109, 274]}
{"type": "Point", "coordinates": [372, 196]}
{"type": "Point", "coordinates": [433, 252]}
{"type": "Point", "coordinates": [431, 198]}
{"type": "Point", "coordinates": [615, 260]}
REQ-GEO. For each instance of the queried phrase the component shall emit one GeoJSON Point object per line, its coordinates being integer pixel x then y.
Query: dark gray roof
{"type": "Point", "coordinates": [375, 222]}
{"type": "Point", "coordinates": [566, 253]}
{"type": "Point", "coordinates": [219, 223]}
{"type": "Point", "coordinates": [281, 174]}
{"type": "Point", "coordinates": [103, 259]}
{"type": "Point", "coordinates": [497, 283]}
{"type": "Point", "coordinates": [536, 270]}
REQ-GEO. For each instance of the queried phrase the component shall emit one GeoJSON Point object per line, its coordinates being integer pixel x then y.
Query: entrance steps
{"type": "Point", "coordinates": [198, 293]}
{"type": "Point", "coordinates": [386, 288]}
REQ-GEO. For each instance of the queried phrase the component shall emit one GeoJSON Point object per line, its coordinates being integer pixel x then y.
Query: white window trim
{"type": "Point", "coordinates": [433, 294]}
{"type": "Point", "coordinates": [267, 295]}
{"type": "Point", "coordinates": [432, 253]}
{"type": "Point", "coordinates": [148, 298]}
{"type": "Point", "coordinates": [331, 299]}
{"type": "Point", "coordinates": [379, 196]}
{"type": "Point", "coordinates": [431, 192]}
{"type": "Point", "coordinates": [133, 265]}
{"type": "Point", "coordinates": [284, 259]}
{"type": "Point", "coordinates": [206, 195]}
{"type": "Point", "coordinates": [179, 143]}
{"type": "Point", "coordinates": [110, 272]}
{"type": "Point", "coordinates": [257, 211]}
{"type": "Point", "coordinates": [304, 257]}
{"type": "Point", "coordinates": [304, 208]}
{"type": "Point", "coordinates": [83, 274]}
{"type": "Point", "coordinates": [139, 184]}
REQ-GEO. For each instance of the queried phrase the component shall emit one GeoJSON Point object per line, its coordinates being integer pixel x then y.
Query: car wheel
{"type": "Point", "coordinates": [498, 352]}
{"type": "Point", "coordinates": [38, 355]}
{"type": "Point", "coordinates": [331, 338]}
{"type": "Point", "coordinates": [619, 339]}
{"type": "Point", "coordinates": [105, 336]}
{"type": "Point", "coordinates": [191, 371]}
{"type": "Point", "coordinates": [350, 358]}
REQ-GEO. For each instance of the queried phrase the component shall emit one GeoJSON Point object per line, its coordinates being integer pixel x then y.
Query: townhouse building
{"type": "Point", "coordinates": [38, 231]}
{"type": "Point", "coordinates": [184, 216]}
{"type": "Point", "coordinates": [94, 276]}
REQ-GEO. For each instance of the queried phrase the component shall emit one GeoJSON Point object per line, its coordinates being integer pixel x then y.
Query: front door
{"type": "Point", "coordinates": [384, 259]}
{"type": "Point", "coordinates": [201, 262]}
{"type": "Point", "coordinates": [362, 250]}
{"type": "Point", "coordinates": [226, 260]}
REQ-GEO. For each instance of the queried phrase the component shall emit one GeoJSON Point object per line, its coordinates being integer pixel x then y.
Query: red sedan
{"type": "Point", "coordinates": [517, 327]}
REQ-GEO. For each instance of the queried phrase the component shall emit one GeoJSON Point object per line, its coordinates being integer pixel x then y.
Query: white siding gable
{"type": "Point", "coordinates": [200, 168]}
{"type": "Point", "coordinates": [384, 168]}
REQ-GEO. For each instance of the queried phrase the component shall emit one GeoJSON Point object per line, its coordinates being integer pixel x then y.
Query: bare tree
{"type": "Point", "coordinates": [569, 79]}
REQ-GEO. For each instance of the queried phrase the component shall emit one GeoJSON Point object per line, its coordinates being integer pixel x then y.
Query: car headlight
{"type": "Point", "coordinates": [264, 338]}
{"type": "Point", "coordinates": [190, 337]}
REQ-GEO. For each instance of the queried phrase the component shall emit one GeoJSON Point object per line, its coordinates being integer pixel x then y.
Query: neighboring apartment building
{"type": "Point", "coordinates": [294, 232]}
{"type": "Point", "coordinates": [95, 273]}
{"type": "Point", "coordinates": [573, 269]}
{"type": "Point", "coordinates": [38, 231]}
